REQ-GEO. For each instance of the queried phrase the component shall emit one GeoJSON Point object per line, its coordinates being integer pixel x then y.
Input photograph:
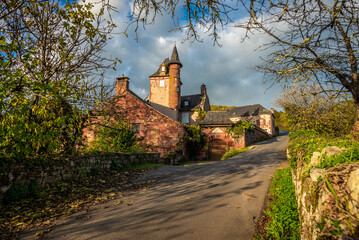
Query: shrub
{"type": "Point", "coordinates": [194, 138]}
{"type": "Point", "coordinates": [113, 134]}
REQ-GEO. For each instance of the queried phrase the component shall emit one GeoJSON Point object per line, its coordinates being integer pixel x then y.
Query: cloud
{"type": "Point", "coordinates": [225, 70]}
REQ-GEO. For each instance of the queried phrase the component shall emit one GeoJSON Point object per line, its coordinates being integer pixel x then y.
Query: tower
{"type": "Point", "coordinates": [165, 86]}
{"type": "Point", "coordinates": [175, 65]}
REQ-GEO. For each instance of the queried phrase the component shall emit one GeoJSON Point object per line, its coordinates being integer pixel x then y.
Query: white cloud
{"type": "Point", "coordinates": [225, 70]}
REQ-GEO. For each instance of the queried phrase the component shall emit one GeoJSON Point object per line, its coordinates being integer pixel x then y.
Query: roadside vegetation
{"type": "Point", "coordinates": [304, 142]}
{"type": "Point", "coordinates": [281, 220]}
{"type": "Point", "coordinates": [233, 152]}
{"type": "Point", "coordinates": [40, 209]}
{"type": "Point", "coordinates": [316, 120]}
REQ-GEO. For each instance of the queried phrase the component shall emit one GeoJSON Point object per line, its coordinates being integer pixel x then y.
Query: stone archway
{"type": "Point", "coordinates": [216, 149]}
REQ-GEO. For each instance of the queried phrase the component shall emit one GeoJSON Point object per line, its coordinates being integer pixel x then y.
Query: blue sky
{"type": "Point", "coordinates": [225, 70]}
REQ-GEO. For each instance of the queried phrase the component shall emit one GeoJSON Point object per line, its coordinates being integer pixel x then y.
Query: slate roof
{"type": "Point", "coordinates": [167, 62]}
{"type": "Point", "coordinates": [174, 57]}
{"type": "Point", "coordinates": [224, 117]}
{"type": "Point", "coordinates": [216, 118]}
{"type": "Point", "coordinates": [249, 110]}
{"type": "Point", "coordinates": [157, 73]}
{"type": "Point", "coordinates": [195, 102]}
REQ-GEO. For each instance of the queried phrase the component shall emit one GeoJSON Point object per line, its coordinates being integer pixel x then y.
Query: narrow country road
{"type": "Point", "coordinates": [218, 200]}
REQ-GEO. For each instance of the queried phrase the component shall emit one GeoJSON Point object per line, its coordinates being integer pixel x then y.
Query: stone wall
{"type": "Point", "coordinates": [255, 136]}
{"type": "Point", "coordinates": [328, 200]}
{"type": "Point", "coordinates": [214, 133]}
{"type": "Point", "coordinates": [264, 121]}
{"type": "Point", "coordinates": [72, 167]}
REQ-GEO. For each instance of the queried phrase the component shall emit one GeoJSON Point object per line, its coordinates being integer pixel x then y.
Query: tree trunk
{"type": "Point", "coordinates": [355, 130]}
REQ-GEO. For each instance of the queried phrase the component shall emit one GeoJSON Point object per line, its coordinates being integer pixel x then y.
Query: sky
{"type": "Point", "coordinates": [226, 71]}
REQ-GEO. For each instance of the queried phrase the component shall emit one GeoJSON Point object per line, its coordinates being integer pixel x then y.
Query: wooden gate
{"type": "Point", "coordinates": [217, 149]}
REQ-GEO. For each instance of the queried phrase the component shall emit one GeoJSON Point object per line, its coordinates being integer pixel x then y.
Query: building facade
{"type": "Point", "coordinates": [158, 119]}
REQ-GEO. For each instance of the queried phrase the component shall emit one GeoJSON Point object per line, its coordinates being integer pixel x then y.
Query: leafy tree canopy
{"type": "Point", "coordinates": [51, 53]}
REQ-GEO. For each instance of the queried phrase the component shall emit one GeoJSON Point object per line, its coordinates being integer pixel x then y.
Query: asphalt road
{"type": "Point", "coordinates": [217, 200]}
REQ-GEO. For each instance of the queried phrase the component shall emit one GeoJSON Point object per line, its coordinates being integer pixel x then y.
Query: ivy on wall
{"type": "Point", "coordinates": [239, 128]}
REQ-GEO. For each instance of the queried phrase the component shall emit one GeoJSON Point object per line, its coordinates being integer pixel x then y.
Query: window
{"type": "Point", "coordinates": [185, 117]}
{"type": "Point", "coordinates": [177, 75]}
{"type": "Point", "coordinates": [163, 68]}
{"type": "Point", "coordinates": [261, 122]}
{"type": "Point", "coordinates": [186, 102]}
{"type": "Point", "coordinates": [178, 89]}
{"type": "Point", "coordinates": [162, 83]}
{"type": "Point", "coordinates": [136, 127]}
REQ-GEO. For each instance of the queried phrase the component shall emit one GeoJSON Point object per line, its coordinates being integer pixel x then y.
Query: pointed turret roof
{"type": "Point", "coordinates": [174, 57]}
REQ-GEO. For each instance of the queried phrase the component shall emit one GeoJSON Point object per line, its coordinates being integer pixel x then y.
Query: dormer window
{"type": "Point", "coordinates": [163, 69]}
{"type": "Point", "coordinates": [186, 102]}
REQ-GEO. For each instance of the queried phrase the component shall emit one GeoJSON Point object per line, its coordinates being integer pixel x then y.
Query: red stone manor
{"type": "Point", "coordinates": [159, 118]}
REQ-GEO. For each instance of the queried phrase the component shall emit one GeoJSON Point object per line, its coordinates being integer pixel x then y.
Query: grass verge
{"type": "Point", "coordinates": [233, 152]}
{"type": "Point", "coordinates": [280, 214]}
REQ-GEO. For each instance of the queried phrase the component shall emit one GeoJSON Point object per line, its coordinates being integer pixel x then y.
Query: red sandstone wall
{"type": "Point", "coordinates": [250, 137]}
{"type": "Point", "coordinates": [158, 131]}
{"type": "Point", "coordinates": [220, 133]}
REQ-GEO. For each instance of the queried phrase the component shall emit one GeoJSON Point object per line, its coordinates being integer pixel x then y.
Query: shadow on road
{"type": "Point", "coordinates": [180, 195]}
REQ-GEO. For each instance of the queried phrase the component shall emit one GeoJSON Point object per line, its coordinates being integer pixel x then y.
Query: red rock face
{"type": "Point", "coordinates": [159, 132]}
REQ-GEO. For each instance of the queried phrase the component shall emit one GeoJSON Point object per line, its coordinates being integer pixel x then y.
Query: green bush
{"type": "Point", "coordinates": [114, 134]}
{"type": "Point", "coordinates": [283, 213]}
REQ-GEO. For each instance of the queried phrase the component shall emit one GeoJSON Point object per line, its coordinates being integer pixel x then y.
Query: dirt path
{"type": "Point", "coordinates": [218, 200]}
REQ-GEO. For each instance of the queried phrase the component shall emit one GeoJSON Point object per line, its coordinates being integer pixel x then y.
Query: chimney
{"type": "Point", "coordinates": [203, 89]}
{"type": "Point", "coordinates": [272, 110]}
{"type": "Point", "coordinates": [121, 84]}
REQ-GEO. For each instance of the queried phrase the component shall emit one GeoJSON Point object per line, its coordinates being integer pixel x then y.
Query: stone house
{"type": "Point", "coordinates": [159, 132]}
{"type": "Point", "coordinates": [215, 125]}
{"type": "Point", "coordinates": [158, 118]}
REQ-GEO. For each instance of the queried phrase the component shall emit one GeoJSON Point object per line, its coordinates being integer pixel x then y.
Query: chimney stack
{"type": "Point", "coordinates": [122, 84]}
{"type": "Point", "coordinates": [203, 89]}
{"type": "Point", "coordinates": [272, 110]}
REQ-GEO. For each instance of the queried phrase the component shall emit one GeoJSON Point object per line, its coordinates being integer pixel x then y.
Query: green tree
{"type": "Point", "coordinates": [49, 53]}
{"type": "Point", "coordinates": [221, 108]}
{"type": "Point", "coordinates": [281, 120]}
{"type": "Point", "coordinates": [306, 107]}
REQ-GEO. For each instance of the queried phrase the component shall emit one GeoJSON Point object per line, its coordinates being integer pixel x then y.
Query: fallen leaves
{"type": "Point", "coordinates": [63, 199]}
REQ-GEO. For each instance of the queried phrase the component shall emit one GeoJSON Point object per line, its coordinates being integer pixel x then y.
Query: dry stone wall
{"type": "Point", "coordinates": [328, 199]}
{"type": "Point", "coordinates": [72, 167]}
